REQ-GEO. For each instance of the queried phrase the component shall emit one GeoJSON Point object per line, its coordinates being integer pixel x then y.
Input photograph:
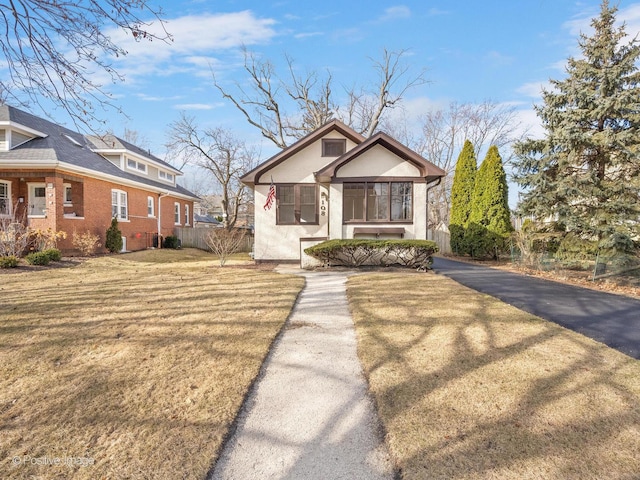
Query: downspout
{"type": "Point", "coordinates": [160, 195]}
{"type": "Point", "coordinates": [429, 187]}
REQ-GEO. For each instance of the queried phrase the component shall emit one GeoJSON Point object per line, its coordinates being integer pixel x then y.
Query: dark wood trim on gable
{"type": "Point", "coordinates": [378, 179]}
{"type": "Point", "coordinates": [254, 177]}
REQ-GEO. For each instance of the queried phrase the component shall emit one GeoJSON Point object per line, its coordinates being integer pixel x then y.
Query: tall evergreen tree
{"type": "Point", "coordinates": [585, 173]}
{"type": "Point", "coordinates": [464, 181]}
{"type": "Point", "coordinates": [490, 201]}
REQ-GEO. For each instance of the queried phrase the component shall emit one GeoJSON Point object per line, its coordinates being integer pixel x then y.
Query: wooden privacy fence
{"type": "Point", "coordinates": [196, 238]}
{"type": "Point", "coordinates": [442, 239]}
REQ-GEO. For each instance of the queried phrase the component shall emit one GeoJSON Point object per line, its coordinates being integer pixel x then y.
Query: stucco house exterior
{"type": "Point", "coordinates": [53, 177]}
{"type": "Point", "coordinates": [336, 184]}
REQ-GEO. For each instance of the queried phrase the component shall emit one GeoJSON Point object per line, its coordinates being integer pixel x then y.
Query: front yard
{"type": "Point", "coordinates": [135, 366]}
{"type": "Point", "coordinates": [130, 366]}
{"type": "Point", "coordinates": [468, 387]}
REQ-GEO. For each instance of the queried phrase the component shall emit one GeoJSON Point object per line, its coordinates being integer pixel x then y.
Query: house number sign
{"type": "Point", "coordinates": [323, 204]}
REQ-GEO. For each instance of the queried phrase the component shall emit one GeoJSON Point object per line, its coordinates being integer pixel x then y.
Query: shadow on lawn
{"type": "Point", "coordinates": [143, 374]}
{"type": "Point", "coordinates": [499, 393]}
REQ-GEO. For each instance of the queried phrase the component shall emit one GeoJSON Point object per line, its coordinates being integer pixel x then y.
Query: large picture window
{"type": "Point", "coordinates": [297, 204]}
{"type": "Point", "coordinates": [378, 202]}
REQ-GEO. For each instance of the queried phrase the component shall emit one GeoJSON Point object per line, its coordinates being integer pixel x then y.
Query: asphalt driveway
{"type": "Point", "coordinates": [611, 319]}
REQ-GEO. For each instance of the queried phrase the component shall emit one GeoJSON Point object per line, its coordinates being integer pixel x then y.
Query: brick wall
{"type": "Point", "coordinates": [91, 204]}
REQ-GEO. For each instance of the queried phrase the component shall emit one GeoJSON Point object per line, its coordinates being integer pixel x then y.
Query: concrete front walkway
{"type": "Point", "coordinates": [310, 416]}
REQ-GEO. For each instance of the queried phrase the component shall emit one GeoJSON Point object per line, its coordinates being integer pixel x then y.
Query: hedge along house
{"type": "Point", "coordinates": [53, 177]}
{"type": "Point", "coordinates": [336, 184]}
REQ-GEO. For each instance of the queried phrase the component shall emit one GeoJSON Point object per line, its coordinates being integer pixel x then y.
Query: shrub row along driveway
{"type": "Point", "coordinates": [611, 319]}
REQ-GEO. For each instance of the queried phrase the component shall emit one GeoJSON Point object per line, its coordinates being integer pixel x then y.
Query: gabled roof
{"type": "Point", "coordinates": [110, 143]}
{"type": "Point", "coordinates": [254, 176]}
{"type": "Point", "coordinates": [61, 147]}
{"type": "Point", "coordinates": [427, 169]}
{"type": "Point", "coordinates": [206, 219]}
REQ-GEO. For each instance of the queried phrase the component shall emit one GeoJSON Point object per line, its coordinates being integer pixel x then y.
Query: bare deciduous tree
{"type": "Point", "coordinates": [269, 100]}
{"type": "Point", "coordinates": [52, 50]}
{"type": "Point", "coordinates": [219, 152]}
{"type": "Point", "coordinates": [136, 138]}
{"type": "Point", "coordinates": [225, 242]}
{"type": "Point", "coordinates": [15, 236]}
{"type": "Point", "coordinates": [442, 136]}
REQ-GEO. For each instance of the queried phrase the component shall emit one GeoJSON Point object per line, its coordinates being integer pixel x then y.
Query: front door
{"type": "Point", "coordinates": [37, 200]}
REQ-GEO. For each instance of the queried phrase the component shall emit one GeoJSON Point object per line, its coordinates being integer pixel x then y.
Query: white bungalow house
{"type": "Point", "coordinates": [336, 184]}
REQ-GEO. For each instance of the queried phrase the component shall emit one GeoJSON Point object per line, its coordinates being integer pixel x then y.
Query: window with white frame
{"type": "Point", "coordinates": [150, 207]}
{"type": "Point", "coordinates": [68, 199]}
{"type": "Point", "coordinates": [37, 199]}
{"type": "Point", "coordinates": [5, 198]}
{"type": "Point", "coordinates": [162, 175]}
{"type": "Point", "coordinates": [186, 215]}
{"type": "Point", "coordinates": [135, 165]}
{"type": "Point", "coordinates": [119, 205]}
{"type": "Point", "coordinates": [176, 213]}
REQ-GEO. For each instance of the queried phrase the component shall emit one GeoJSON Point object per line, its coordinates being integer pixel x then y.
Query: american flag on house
{"type": "Point", "coordinates": [271, 196]}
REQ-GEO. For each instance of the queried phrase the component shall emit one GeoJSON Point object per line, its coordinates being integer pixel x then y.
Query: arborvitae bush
{"type": "Point", "coordinates": [113, 242]}
{"type": "Point", "coordinates": [461, 195]}
{"type": "Point", "coordinates": [171, 242]}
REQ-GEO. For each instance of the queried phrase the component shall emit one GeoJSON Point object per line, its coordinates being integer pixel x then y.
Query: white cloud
{"type": "Point", "coordinates": [150, 98]}
{"type": "Point", "coordinates": [581, 23]}
{"type": "Point", "coordinates": [194, 39]}
{"type": "Point", "coordinates": [435, 12]}
{"type": "Point", "coordinates": [194, 106]}
{"type": "Point", "coordinates": [307, 35]}
{"type": "Point", "coordinates": [498, 59]}
{"type": "Point", "coordinates": [395, 13]}
{"type": "Point", "coordinates": [533, 89]}
{"type": "Point", "coordinates": [529, 123]}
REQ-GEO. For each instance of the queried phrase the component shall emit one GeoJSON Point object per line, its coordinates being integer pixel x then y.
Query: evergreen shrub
{"type": "Point", "coordinates": [10, 261]}
{"type": "Point", "coordinates": [37, 258]}
{"type": "Point", "coordinates": [53, 253]}
{"type": "Point", "coordinates": [358, 252]}
{"type": "Point", "coordinates": [171, 242]}
{"type": "Point", "coordinates": [113, 242]}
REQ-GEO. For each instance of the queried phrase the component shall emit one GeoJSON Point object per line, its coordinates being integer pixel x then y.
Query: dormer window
{"type": "Point", "coordinates": [165, 176]}
{"type": "Point", "coordinates": [333, 147]}
{"type": "Point", "coordinates": [4, 144]}
{"type": "Point", "coordinates": [134, 165]}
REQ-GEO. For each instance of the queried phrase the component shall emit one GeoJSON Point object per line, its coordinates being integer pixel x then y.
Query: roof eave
{"type": "Point", "coordinates": [252, 177]}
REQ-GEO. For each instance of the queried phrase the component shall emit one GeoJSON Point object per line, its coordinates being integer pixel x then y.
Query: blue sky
{"type": "Point", "coordinates": [472, 51]}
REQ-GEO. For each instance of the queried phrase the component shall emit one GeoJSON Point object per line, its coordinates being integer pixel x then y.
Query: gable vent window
{"type": "Point", "coordinates": [333, 147]}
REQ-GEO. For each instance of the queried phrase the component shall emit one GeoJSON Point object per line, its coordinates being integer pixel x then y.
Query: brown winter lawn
{"type": "Point", "coordinates": [134, 365]}
{"type": "Point", "coordinates": [468, 387]}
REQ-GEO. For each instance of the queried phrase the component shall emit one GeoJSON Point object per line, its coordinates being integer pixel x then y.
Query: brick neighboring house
{"type": "Point", "coordinates": [56, 178]}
